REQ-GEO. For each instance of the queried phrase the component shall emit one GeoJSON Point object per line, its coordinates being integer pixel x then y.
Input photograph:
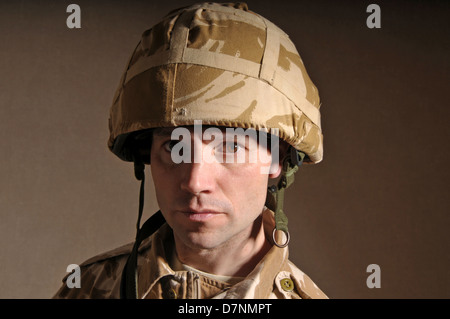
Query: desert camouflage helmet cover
{"type": "Point", "coordinates": [221, 64]}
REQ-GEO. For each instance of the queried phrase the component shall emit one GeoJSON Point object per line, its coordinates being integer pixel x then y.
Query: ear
{"type": "Point", "coordinates": [277, 165]}
{"type": "Point", "coordinates": [275, 169]}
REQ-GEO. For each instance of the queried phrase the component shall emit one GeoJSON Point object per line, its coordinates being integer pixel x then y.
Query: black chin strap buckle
{"type": "Point", "coordinates": [297, 157]}
{"type": "Point", "coordinates": [139, 169]}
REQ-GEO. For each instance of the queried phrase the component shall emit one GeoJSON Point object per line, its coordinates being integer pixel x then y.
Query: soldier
{"type": "Point", "coordinates": [221, 231]}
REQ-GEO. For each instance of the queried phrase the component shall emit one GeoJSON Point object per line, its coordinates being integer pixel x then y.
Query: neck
{"type": "Point", "coordinates": [237, 257]}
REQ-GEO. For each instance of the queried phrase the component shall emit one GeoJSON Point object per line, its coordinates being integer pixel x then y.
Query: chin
{"type": "Point", "coordinates": [202, 241]}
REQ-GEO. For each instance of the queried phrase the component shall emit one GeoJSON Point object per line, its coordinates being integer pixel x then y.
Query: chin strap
{"type": "Point", "coordinates": [275, 194]}
{"type": "Point", "coordinates": [129, 280]}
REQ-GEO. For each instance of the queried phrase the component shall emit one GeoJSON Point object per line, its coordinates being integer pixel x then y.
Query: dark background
{"type": "Point", "coordinates": [379, 197]}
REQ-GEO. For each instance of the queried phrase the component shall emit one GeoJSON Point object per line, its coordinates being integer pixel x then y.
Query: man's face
{"type": "Point", "coordinates": [211, 199]}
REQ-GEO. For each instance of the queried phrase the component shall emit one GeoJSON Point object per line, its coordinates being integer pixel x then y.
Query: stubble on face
{"type": "Point", "coordinates": [235, 195]}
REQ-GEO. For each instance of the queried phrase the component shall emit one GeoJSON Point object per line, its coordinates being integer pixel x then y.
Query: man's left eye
{"type": "Point", "coordinates": [231, 147]}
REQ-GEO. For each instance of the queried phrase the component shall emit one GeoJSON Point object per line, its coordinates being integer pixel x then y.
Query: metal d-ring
{"type": "Point", "coordinates": [287, 239]}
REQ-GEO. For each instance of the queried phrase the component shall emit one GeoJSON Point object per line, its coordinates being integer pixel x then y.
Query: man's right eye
{"type": "Point", "coordinates": [168, 146]}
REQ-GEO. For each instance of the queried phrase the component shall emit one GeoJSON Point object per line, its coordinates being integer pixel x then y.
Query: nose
{"type": "Point", "coordinates": [198, 177]}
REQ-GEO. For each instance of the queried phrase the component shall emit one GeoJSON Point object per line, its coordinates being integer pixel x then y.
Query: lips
{"type": "Point", "coordinates": [200, 215]}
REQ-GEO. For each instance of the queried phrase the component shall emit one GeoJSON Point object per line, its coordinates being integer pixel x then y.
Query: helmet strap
{"type": "Point", "coordinates": [129, 280]}
{"type": "Point", "coordinates": [139, 173]}
{"type": "Point", "coordinates": [275, 194]}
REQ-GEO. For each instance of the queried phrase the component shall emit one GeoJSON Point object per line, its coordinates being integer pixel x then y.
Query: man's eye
{"type": "Point", "coordinates": [231, 147]}
{"type": "Point", "coordinates": [168, 146]}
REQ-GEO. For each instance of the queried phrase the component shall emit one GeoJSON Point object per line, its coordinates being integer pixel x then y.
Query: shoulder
{"type": "Point", "coordinates": [122, 251]}
{"type": "Point", "coordinates": [100, 275]}
{"type": "Point", "coordinates": [303, 284]}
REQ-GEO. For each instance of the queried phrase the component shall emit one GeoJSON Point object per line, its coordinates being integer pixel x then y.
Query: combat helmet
{"type": "Point", "coordinates": [226, 66]}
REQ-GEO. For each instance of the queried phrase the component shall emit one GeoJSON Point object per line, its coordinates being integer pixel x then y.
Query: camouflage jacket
{"type": "Point", "coordinates": [274, 276]}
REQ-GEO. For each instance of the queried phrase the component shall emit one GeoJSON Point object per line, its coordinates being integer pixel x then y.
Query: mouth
{"type": "Point", "coordinates": [200, 215]}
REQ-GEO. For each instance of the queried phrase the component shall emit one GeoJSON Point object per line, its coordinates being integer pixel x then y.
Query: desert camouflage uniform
{"type": "Point", "coordinates": [274, 277]}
